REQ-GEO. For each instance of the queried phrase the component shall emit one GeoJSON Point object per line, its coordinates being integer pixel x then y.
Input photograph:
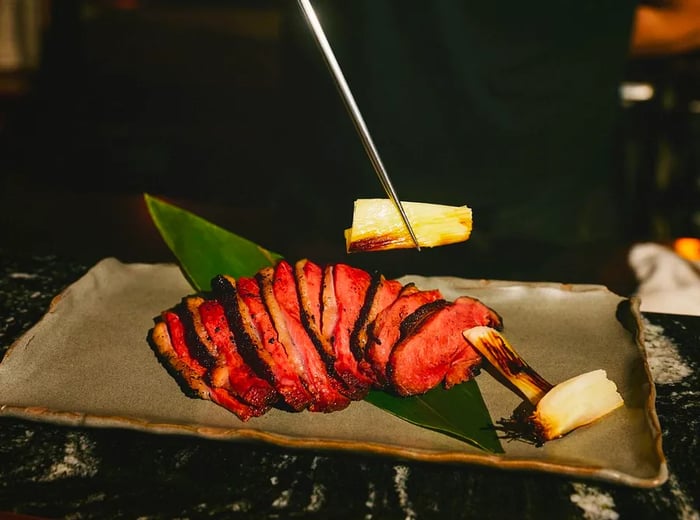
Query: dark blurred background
{"type": "Point", "coordinates": [101, 101]}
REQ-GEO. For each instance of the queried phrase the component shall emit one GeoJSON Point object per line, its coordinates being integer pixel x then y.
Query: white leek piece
{"type": "Point", "coordinates": [377, 225]}
{"type": "Point", "coordinates": [575, 402]}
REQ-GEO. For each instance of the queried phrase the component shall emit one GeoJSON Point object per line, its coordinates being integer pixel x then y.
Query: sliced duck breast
{"type": "Point", "coordinates": [257, 338]}
{"type": "Point", "coordinates": [278, 290]}
{"type": "Point", "coordinates": [431, 349]}
{"type": "Point", "coordinates": [385, 330]}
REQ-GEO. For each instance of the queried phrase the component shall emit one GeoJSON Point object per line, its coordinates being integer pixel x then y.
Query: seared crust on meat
{"type": "Point", "coordinates": [344, 294]}
{"type": "Point", "coordinates": [192, 377]}
{"type": "Point", "coordinates": [313, 337]}
{"type": "Point", "coordinates": [278, 290]}
{"type": "Point", "coordinates": [381, 294]}
{"type": "Point", "coordinates": [169, 338]}
{"type": "Point", "coordinates": [309, 280]}
{"type": "Point", "coordinates": [258, 340]}
{"type": "Point", "coordinates": [231, 371]}
{"type": "Point", "coordinates": [385, 330]}
{"type": "Point", "coordinates": [429, 351]}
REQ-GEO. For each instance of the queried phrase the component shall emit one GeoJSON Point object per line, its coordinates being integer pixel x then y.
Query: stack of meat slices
{"type": "Point", "coordinates": [311, 337]}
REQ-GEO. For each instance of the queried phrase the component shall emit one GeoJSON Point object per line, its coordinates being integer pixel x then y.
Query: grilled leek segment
{"type": "Point", "coordinates": [502, 356]}
{"type": "Point", "coordinates": [558, 409]}
{"type": "Point", "coordinates": [377, 225]}
{"type": "Point", "coordinates": [575, 402]}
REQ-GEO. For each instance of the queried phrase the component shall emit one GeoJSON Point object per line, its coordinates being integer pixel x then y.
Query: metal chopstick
{"type": "Point", "coordinates": [354, 111]}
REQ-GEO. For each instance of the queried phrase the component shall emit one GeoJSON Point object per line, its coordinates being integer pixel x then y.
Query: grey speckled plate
{"type": "Point", "coordinates": [87, 362]}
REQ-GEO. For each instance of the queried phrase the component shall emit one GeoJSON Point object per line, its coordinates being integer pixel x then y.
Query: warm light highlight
{"type": "Point", "coordinates": [688, 248]}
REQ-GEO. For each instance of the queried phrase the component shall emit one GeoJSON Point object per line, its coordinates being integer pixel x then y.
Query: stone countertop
{"type": "Point", "coordinates": [52, 471]}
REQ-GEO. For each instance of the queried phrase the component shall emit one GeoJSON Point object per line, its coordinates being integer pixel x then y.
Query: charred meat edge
{"type": "Point", "coordinates": [304, 327]}
{"type": "Point", "coordinates": [280, 374]}
{"type": "Point", "coordinates": [452, 361]}
{"type": "Point", "coordinates": [306, 275]}
{"type": "Point", "coordinates": [231, 370]}
{"type": "Point", "coordinates": [169, 336]}
{"type": "Point", "coordinates": [344, 293]}
{"type": "Point", "coordinates": [381, 294]}
{"type": "Point", "coordinates": [310, 366]}
{"type": "Point", "coordinates": [385, 330]}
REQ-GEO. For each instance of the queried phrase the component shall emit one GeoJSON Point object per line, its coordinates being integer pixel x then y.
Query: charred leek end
{"type": "Point", "coordinates": [574, 403]}
{"type": "Point", "coordinates": [377, 225]}
{"type": "Point", "coordinates": [502, 356]}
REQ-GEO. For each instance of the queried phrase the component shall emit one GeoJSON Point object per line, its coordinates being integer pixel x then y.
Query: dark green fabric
{"type": "Point", "coordinates": [508, 107]}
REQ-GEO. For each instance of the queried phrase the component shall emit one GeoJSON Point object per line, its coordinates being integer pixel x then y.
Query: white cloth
{"type": "Point", "coordinates": [667, 282]}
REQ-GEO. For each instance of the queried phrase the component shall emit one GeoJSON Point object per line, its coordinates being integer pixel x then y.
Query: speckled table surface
{"type": "Point", "coordinates": [52, 471]}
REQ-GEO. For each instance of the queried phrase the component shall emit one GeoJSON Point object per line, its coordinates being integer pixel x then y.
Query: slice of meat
{"type": "Point", "coordinates": [172, 350]}
{"type": "Point", "coordinates": [226, 368]}
{"type": "Point", "coordinates": [343, 296]}
{"type": "Point", "coordinates": [169, 337]}
{"type": "Point", "coordinates": [257, 339]}
{"type": "Point", "coordinates": [384, 331]}
{"type": "Point", "coordinates": [329, 305]}
{"type": "Point", "coordinates": [381, 294]}
{"type": "Point", "coordinates": [190, 344]}
{"type": "Point", "coordinates": [432, 350]}
{"type": "Point", "coordinates": [231, 370]}
{"type": "Point", "coordinates": [193, 324]}
{"type": "Point", "coordinates": [279, 292]}
{"type": "Point", "coordinates": [309, 282]}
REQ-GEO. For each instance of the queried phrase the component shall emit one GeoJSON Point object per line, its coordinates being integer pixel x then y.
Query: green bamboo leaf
{"type": "Point", "coordinates": [205, 250]}
{"type": "Point", "coordinates": [459, 412]}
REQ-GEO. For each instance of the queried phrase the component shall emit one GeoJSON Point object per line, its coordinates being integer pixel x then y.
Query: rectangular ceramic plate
{"type": "Point", "coordinates": [88, 362]}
